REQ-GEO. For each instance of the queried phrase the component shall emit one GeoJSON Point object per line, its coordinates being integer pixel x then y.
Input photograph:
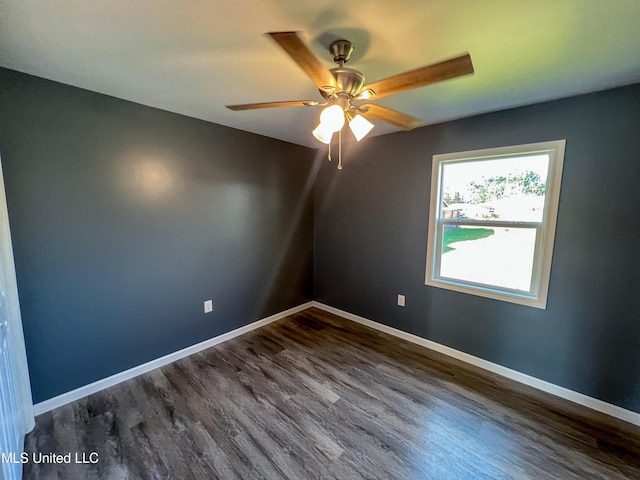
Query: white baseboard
{"type": "Point", "coordinates": [579, 398]}
{"type": "Point", "coordinates": [562, 392]}
{"type": "Point", "coordinates": [94, 387]}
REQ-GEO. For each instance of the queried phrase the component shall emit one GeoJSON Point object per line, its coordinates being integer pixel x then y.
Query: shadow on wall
{"type": "Point", "coordinates": [280, 276]}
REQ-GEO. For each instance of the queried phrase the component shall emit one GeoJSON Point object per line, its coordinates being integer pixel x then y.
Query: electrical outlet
{"type": "Point", "coordinates": [208, 306]}
{"type": "Point", "coordinates": [401, 300]}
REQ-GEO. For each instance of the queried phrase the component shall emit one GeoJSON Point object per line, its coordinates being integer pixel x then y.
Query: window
{"type": "Point", "coordinates": [492, 221]}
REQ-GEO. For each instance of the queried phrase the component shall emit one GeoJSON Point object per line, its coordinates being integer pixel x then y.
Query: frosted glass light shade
{"type": "Point", "coordinates": [360, 126]}
{"type": "Point", "coordinates": [368, 93]}
{"type": "Point", "coordinates": [332, 118]}
{"type": "Point", "coordinates": [323, 133]}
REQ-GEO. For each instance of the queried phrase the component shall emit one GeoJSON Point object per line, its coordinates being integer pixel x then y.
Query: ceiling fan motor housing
{"type": "Point", "coordinates": [349, 81]}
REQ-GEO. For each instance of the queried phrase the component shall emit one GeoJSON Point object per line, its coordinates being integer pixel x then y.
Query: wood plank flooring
{"type": "Point", "coordinates": [315, 396]}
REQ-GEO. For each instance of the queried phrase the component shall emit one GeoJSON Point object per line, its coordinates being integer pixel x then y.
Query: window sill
{"type": "Point", "coordinates": [520, 298]}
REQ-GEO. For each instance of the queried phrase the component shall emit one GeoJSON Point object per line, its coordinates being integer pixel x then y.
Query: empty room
{"type": "Point", "coordinates": [320, 240]}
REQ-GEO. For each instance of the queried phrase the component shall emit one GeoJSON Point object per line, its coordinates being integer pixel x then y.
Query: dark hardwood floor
{"type": "Point", "coordinates": [316, 396]}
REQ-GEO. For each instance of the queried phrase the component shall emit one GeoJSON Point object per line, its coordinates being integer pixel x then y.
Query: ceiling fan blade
{"type": "Point", "coordinates": [300, 53]}
{"type": "Point", "coordinates": [420, 77]}
{"type": "Point", "coordinates": [293, 103]}
{"type": "Point", "coordinates": [406, 122]}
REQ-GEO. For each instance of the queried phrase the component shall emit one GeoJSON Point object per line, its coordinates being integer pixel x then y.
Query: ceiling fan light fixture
{"type": "Point", "coordinates": [360, 127]}
{"type": "Point", "coordinates": [332, 118]}
{"type": "Point", "coordinates": [322, 133]}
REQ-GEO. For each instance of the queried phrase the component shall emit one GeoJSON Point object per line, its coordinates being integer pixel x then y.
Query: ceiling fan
{"type": "Point", "coordinates": [343, 89]}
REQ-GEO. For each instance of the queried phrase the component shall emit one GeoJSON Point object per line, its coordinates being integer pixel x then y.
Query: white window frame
{"type": "Point", "coordinates": [545, 235]}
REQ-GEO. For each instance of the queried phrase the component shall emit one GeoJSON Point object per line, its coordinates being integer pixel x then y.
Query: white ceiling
{"type": "Point", "coordinates": [194, 57]}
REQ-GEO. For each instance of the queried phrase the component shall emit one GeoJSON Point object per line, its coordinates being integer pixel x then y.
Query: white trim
{"type": "Point", "coordinates": [545, 236]}
{"type": "Point", "coordinates": [18, 367]}
{"type": "Point", "coordinates": [94, 387]}
{"type": "Point", "coordinates": [562, 392]}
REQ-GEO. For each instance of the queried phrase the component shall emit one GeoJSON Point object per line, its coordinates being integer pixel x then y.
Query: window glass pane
{"type": "Point", "coordinates": [500, 257]}
{"type": "Point", "coordinates": [511, 188]}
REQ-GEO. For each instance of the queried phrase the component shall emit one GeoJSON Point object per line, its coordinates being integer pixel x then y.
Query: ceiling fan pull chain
{"type": "Point", "coordinates": [340, 149]}
{"type": "Point", "coordinates": [329, 151]}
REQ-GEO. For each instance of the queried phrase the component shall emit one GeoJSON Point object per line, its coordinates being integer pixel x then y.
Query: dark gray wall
{"type": "Point", "coordinates": [126, 218]}
{"type": "Point", "coordinates": [371, 222]}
